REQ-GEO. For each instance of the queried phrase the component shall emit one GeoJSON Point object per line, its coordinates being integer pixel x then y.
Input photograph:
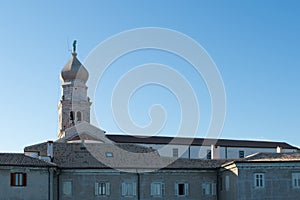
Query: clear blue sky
{"type": "Point", "coordinates": [255, 45]}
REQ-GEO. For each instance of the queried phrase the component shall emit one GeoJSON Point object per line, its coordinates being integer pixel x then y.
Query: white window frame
{"type": "Point", "coordinates": [296, 180]}
{"type": "Point", "coordinates": [209, 189]}
{"type": "Point", "coordinates": [227, 183]}
{"type": "Point", "coordinates": [129, 189]}
{"type": "Point", "coordinates": [67, 188]}
{"type": "Point", "coordinates": [259, 180]}
{"type": "Point", "coordinates": [185, 189]}
{"type": "Point", "coordinates": [102, 188]}
{"type": "Point", "coordinates": [157, 189]}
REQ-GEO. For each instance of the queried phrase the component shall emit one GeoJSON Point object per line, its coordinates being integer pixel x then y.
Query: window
{"type": "Point", "coordinates": [129, 189]}
{"type": "Point", "coordinates": [102, 189]}
{"type": "Point", "coordinates": [175, 152]}
{"type": "Point", "coordinates": [181, 189]}
{"type": "Point", "coordinates": [157, 189]}
{"type": "Point", "coordinates": [221, 183]}
{"type": "Point", "coordinates": [72, 116]}
{"type": "Point", "coordinates": [67, 188]}
{"type": "Point", "coordinates": [241, 154]}
{"type": "Point", "coordinates": [227, 183]}
{"type": "Point", "coordinates": [18, 179]}
{"type": "Point", "coordinates": [208, 155]}
{"type": "Point", "coordinates": [109, 154]}
{"type": "Point", "coordinates": [209, 188]}
{"type": "Point", "coordinates": [259, 180]}
{"type": "Point", "coordinates": [79, 116]}
{"type": "Point", "coordinates": [296, 180]}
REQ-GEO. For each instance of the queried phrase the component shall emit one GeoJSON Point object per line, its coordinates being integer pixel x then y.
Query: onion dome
{"type": "Point", "coordinates": [74, 70]}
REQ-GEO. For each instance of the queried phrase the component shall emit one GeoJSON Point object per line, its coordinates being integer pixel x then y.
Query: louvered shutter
{"type": "Point", "coordinates": [134, 189]}
{"type": "Point", "coordinates": [186, 188]}
{"type": "Point", "coordinates": [96, 189]}
{"type": "Point", "coordinates": [152, 192]}
{"type": "Point", "coordinates": [214, 188]}
{"type": "Point", "coordinates": [162, 189]}
{"type": "Point", "coordinates": [107, 189]}
{"type": "Point", "coordinates": [123, 189]}
{"type": "Point", "coordinates": [12, 179]}
{"type": "Point", "coordinates": [176, 189]}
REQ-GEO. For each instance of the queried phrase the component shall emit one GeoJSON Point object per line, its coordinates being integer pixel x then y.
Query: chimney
{"type": "Point", "coordinates": [215, 152]}
{"type": "Point", "coordinates": [279, 149]}
{"type": "Point", "coordinates": [50, 150]}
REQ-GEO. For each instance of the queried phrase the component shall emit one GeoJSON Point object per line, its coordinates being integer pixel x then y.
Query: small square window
{"type": "Point", "coordinates": [209, 189]}
{"type": "Point", "coordinates": [241, 154]}
{"type": "Point", "coordinates": [128, 189]}
{"type": "Point", "coordinates": [157, 189]}
{"type": "Point", "coordinates": [18, 179]}
{"type": "Point", "coordinates": [181, 189]}
{"type": "Point", "coordinates": [109, 154]}
{"type": "Point", "coordinates": [175, 152]}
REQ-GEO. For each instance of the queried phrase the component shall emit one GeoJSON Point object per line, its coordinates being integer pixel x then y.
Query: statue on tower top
{"type": "Point", "coordinates": [74, 46]}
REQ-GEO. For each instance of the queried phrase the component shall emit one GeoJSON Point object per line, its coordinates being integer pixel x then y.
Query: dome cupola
{"type": "Point", "coordinates": [74, 70]}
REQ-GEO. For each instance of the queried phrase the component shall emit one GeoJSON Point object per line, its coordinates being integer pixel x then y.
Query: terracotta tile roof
{"type": "Point", "coordinates": [122, 156]}
{"type": "Point", "coordinates": [198, 141]}
{"type": "Point", "coordinates": [18, 159]}
{"type": "Point", "coordinates": [269, 157]}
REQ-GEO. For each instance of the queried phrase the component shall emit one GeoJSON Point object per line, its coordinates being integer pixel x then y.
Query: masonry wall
{"type": "Point", "coordinates": [83, 183]}
{"type": "Point", "coordinates": [36, 187]}
{"type": "Point", "coordinates": [277, 181]}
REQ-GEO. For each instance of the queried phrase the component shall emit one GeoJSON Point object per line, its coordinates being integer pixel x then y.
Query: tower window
{"type": "Point", "coordinates": [79, 118]}
{"type": "Point", "coordinates": [72, 116]}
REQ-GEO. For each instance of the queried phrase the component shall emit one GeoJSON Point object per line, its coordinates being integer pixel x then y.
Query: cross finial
{"type": "Point", "coordinates": [74, 46]}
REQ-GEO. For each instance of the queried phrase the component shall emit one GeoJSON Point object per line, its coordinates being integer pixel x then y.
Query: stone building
{"type": "Point", "coordinates": [24, 177]}
{"type": "Point", "coordinates": [261, 176]}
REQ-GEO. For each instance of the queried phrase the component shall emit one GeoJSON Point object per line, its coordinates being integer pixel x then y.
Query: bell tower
{"type": "Point", "coordinates": [74, 106]}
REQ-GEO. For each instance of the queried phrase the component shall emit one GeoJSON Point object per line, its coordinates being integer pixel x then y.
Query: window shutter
{"type": "Point", "coordinates": [176, 189]}
{"type": "Point", "coordinates": [152, 189]}
{"type": "Point", "coordinates": [134, 189]}
{"type": "Point", "coordinates": [123, 189]}
{"type": "Point", "coordinates": [96, 189]}
{"type": "Point", "coordinates": [214, 188]}
{"type": "Point", "coordinates": [162, 189]}
{"type": "Point", "coordinates": [24, 180]}
{"type": "Point", "coordinates": [107, 189]}
{"type": "Point", "coordinates": [12, 179]}
{"type": "Point", "coordinates": [186, 188]}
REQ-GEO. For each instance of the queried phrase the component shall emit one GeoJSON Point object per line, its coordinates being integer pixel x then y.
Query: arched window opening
{"type": "Point", "coordinates": [72, 116]}
{"type": "Point", "coordinates": [79, 118]}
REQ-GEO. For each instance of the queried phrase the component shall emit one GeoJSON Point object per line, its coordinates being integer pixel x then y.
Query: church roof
{"type": "Point", "coordinates": [74, 70]}
{"type": "Point", "coordinates": [198, 141]}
